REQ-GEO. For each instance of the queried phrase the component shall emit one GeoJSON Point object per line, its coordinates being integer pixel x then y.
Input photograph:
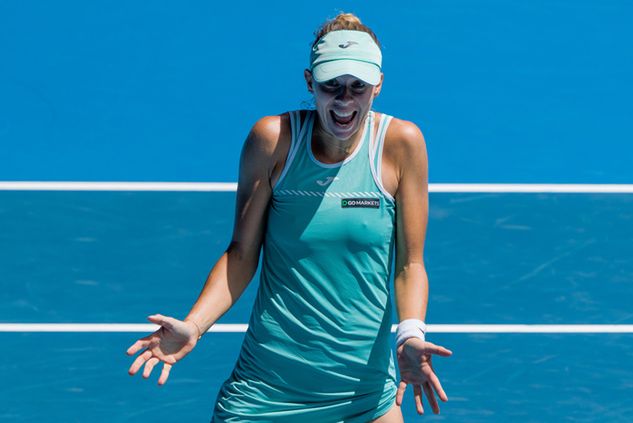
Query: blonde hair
{"type": "Point", "coordinates": [347, 21]}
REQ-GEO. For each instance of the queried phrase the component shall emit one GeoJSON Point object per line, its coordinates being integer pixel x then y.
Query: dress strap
{"type": "Point", "coordinates": [298, 131]}
{"type": "Point", "coordinates": [375, 156]}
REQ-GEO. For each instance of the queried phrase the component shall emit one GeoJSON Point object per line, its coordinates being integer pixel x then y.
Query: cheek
{"type": "Point", "coordinates": [323, 104]}
{"type": "Point", "coordinates": [366, 103]}
{"type": "Point", "coordinates": [322, 99]}
{"type": "Point", "coordinates": [368, 96]}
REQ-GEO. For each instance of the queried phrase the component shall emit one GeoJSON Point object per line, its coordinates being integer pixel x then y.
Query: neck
{"type": "Point", "coordinates": [330, 149]}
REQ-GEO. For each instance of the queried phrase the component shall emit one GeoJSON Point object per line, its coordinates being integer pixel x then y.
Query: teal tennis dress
{"type": "Point", "coordinates": [318, 344]}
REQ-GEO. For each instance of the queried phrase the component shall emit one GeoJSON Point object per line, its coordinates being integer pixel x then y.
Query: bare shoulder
{"type": "Point", "coordinates": [268, 134]}
{"type": "Point", "coordinates": [404, 153]}
{"type": "Point", "coordinates": [268, 143]}
{"type": "Point", "coordinates": [404, 138]}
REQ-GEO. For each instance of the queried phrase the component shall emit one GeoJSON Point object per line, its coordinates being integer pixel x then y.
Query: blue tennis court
{"type": "Point", "coordinates": [114, 257]}
{"type": "Point", "coordinates": [505, 93]}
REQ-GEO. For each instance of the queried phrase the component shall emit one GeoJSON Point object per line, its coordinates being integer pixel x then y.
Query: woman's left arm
{"type": "Point", "coordinates": [411, 281]}
{"type": "Point", "coordinates": [412, 210]}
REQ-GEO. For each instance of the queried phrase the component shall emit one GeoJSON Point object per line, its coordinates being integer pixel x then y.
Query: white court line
{"type": "Point", "coordinates": [237, 328]}
{"type": "Point", "coordinates": [232, 186]}
{"type": "Point", "coordinates": [103, 327]}
{"type": "Point", "coordinates": [116, 186]}
{"type": "Point", "coordinates": [535, 188]}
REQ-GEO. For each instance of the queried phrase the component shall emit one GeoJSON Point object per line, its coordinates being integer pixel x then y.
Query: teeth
{"type": "Point", "coordinates": [343, 115]}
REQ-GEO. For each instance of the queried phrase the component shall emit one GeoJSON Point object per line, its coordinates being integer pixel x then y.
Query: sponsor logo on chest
{"type": "Point", "coordinates": [367, 202]}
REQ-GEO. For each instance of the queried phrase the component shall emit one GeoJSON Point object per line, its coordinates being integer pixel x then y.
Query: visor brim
{"type": "Point", "coordinates": [367, 72]}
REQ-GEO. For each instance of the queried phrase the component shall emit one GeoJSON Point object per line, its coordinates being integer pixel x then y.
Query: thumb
{"type": "Point", "coordinates": [431, 348]}
{"type": "Point", "coordinates": [165, 321]}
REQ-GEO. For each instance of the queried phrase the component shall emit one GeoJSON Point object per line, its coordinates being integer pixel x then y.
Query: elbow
{"type": "Point", "coordinates": [411, 272]}
{"type": "Point", "coordinates": [412, 266]}
{"type": "Point", "coordinates": [248, 257]}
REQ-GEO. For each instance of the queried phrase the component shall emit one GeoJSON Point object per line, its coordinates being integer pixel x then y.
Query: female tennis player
{"type": "Point", "coordinates": [329, 194]}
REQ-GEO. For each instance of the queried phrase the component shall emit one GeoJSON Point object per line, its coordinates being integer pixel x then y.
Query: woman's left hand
{"type": "Point", "coordinates": [414, 362]}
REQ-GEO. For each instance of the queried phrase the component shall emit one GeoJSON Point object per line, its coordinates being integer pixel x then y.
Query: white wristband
{"type": "Point", "coordinates": [410, 328]}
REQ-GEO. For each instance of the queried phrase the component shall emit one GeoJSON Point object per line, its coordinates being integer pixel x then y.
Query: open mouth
{"type": "Point", "coordinates": [343, 120]}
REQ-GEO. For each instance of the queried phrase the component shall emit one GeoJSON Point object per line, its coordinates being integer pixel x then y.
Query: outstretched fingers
{"type": "Point", "coordinates": [164, 374]}
{"type": "Point", "coordinates": [140, 360]}
{"type": "Point", "coordinates": [165, 321]}
{"type": "Point", "coordinates": [400, 392]}
{"type": "Point", "coordinates": [435, 383]}
{"type": "Point", "coordinates": [431, 398]}
{"type": "Point", "coordinates": [137, 346]}
{"type": "Point", "coordinates": [431, 348]}
{"type": "Point", "coordinates": [417, 394]}
{"type": "Point", "coordinates": [149, 366]}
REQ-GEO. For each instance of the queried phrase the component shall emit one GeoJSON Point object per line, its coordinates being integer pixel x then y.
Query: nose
{"type": "Point", "coordinates": [345, 93]}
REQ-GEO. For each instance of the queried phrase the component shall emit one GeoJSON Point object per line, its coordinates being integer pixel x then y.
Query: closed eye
{"type": "Point", "coordinates": [358, 85]}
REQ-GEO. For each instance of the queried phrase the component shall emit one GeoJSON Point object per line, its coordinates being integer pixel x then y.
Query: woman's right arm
{"type": "Point", "coordinates": [259, 163]}
{"type": "Point", "coordinates": [234, 270]}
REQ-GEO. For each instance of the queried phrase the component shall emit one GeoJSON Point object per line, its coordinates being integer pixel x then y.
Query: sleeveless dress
{"type": "Point", "coordinates": [318, 344]}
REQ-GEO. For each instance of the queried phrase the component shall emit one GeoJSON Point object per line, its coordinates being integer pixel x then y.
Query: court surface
{"type": "Point", "coordinates": [115, 257]}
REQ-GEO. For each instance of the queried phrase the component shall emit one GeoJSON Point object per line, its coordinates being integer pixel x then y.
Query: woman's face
{"type": "Point", "coordinates": [342, 103]}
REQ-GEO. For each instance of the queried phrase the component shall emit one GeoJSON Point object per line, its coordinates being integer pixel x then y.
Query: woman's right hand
{"type": "Point", "coordinates": [170, 343]}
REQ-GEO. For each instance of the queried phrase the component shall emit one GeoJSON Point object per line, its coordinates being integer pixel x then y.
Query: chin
{"type": "Point", "coordinates": [343, 133]}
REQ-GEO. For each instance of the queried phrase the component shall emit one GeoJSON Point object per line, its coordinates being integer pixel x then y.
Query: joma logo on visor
{"type": "Point", "coordinates": [347, 44]}
{"type": "Point", "coordinates": [372, 203]}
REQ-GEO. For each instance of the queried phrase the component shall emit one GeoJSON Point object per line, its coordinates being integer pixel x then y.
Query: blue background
{"type": "Point", "coordinates": [504, 91]}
